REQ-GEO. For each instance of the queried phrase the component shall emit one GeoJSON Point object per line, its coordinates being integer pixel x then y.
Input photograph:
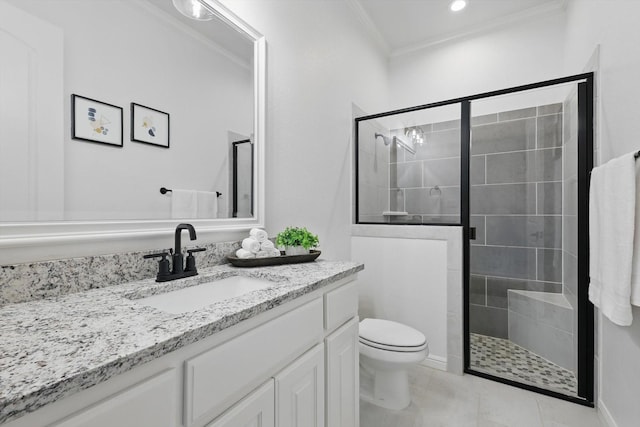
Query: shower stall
{"type": "Point", "coordinates": [511, 168]}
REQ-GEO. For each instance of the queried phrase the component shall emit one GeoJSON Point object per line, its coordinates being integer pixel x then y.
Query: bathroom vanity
{"type": "Point", "coordinates": [284, 354]}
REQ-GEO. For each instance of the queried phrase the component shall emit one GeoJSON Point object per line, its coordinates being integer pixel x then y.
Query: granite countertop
{"type": "Point", "coordinates": [52, 348]}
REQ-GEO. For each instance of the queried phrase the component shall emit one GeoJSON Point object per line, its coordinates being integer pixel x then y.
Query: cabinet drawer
{"type": "Point", "coordinates": [214, 380]}
{"type": "Point", "coordinates": [340, 305]}
{"type": "Point", "coordinates": [153, 403]}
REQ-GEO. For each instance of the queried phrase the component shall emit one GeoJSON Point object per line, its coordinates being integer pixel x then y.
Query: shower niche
{"type": "Point", "coordinates": [510, 167]}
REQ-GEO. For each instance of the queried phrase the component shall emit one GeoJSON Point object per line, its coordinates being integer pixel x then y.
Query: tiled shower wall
{"type": "Point", "coordinates": [516, 208]}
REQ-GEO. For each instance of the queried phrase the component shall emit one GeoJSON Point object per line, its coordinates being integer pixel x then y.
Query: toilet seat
{"type": "Point", "coordinates": [391, 336]}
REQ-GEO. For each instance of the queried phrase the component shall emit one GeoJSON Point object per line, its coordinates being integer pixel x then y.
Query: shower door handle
{"type": "Point", "coordinates": [472, 233]}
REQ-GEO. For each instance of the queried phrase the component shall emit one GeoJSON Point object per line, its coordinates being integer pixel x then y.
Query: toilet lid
{"type": "Point", "coordinates": [390, 334]}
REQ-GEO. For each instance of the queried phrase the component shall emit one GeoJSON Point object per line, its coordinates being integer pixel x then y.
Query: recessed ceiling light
{"type": "Point", "coordinates": [458, 5]}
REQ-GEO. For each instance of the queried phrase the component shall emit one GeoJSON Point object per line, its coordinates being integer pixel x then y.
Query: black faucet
{"type": "Point", "coordinates": [178, 271]}
{"type": "Point", "coordinates": [178, 263]}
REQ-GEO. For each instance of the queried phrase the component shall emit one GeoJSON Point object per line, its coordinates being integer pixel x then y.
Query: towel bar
{"type": "Point", "coordinates": [164, 190]}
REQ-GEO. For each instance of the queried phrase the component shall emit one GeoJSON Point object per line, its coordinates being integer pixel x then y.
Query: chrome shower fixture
{"type": "Point", "coordinates": [400, 143]}
{"type": "Point", "coordinates": [415, 133]}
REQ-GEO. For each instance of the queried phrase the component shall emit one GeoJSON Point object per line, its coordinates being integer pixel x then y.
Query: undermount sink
{"type": "Point", "coordinates": [193, 298]}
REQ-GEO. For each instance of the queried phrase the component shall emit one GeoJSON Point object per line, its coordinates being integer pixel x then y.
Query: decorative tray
{"type": "Point", "coordinates": [275, 260]}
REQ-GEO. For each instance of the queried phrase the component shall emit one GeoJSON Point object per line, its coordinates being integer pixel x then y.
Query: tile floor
{"type": "Point", "coordinates": [502, 358]}
{"type": "Point", "coordinates": [441, 399]}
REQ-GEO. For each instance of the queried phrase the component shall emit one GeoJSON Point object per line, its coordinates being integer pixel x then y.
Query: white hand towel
{"type": "Point", "coordinates": [267, 245]}
{"type": "Point", "coordinates": [207, 204]}
{"type": "Point", "coordinates": [243, 253]}
{"type": "Point", "coordinates": [263, 254]}
{"type": "Point", "coordinates": [612, 207]}
{"type": "Point", "coordinates": [274, 252]}
{"type": "Point", "coordinates": [635, 271]}
{"type": "Point", "coordinates": [259, 234]}
{"type": "Point", "coordinates": [184, 204]}
{"type": "Point", "coordinates": [250, 244]}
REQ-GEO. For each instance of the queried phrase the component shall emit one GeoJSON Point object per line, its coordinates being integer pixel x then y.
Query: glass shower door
{"type": "Point", "coordinates": [523, 314]}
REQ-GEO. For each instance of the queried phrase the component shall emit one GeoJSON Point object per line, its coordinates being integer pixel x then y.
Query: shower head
{"type": "Point", "coordinates": [400, 143]}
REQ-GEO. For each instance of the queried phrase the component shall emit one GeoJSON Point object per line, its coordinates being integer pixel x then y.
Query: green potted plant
{"type": "Point", "coordinates": [296, 240]}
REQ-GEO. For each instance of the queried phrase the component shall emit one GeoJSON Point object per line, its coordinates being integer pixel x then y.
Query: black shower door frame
{"type": "Point", "coordinates": [585, 357]}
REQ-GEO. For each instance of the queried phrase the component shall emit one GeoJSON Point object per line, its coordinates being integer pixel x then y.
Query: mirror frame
{"type": "Point", "coordinates": [31, 241]}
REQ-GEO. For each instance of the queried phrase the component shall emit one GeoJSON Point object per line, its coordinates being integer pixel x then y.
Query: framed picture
{"type": "Point", "coordinates": [96, 121]}
{"type": "Point", "coordinates": [149, 125]}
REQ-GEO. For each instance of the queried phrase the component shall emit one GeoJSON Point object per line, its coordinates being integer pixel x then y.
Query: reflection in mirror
{"type": "Point", "coordinates": [119, 52]}
{"type": "Point", "coordinates": [242, 179]}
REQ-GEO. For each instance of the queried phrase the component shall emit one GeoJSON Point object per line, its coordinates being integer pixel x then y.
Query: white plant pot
{"type": "Point", "coordinates": [296, 250]}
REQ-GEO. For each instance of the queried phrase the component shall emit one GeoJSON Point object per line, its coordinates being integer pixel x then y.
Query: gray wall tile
{"type": "Point", "coordinates": [556, 316]}
{"type": "Point", "coordinates": [396, 200]}
{"type": "Point", "coordinates": [570, 274]}
{"type": "Point", "coordinates": [550, 265]}
{"type": "Point", "coordinates": [517, 114]}
{"type": "Point", "coordinates": [530, 231]}
{"type": "Point", "coordinates": [441, 172]}
{"type": "Point", "coordinates": [437, 145]}
{"type": "Point", "coordinates": [497, 289]}
{"type": "Point", "coordinates": [405, 175]}
{"type": "Point", "coordinates": [441, 219]}
{"type": "Point", "coordinates": [406, 219]}
{"type": "Point", "coordinates": [549, 109]}
{"type": "Point", "coordinates": [484, 119]}
{"type": "Point", "coordinates": [513, 199]}
{"type": "Point", "coordinates": [570, 234]}
{"type": "Point", "coordinates": [550, 131]}
{"type": "Point", "coordinates": [477, 170]}
{"type": "Point", "coordinates": [525, 166]}
{"type": "Point", "coordinates": [479, 223]}
{"type": "Point", "coordinates": [519, 263]}
{"type": "Point", "coordinates": [550, 198]}
{"type": "Point", "coordinates": [488, 321]}
{"type": "Point", "coordinates": [501, 137]}
{"type": "Point", "coordinates": [477, 290]}
{"type": "Point", "coordinates": [449, 124]}
{"type": "Point", "coordinates": [420, 201]}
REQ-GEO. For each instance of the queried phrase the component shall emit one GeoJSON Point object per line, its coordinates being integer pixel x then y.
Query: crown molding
{"type": "Point", "coordinates": [368, 24]}
{"type": "Point", "coordinates": [536, 12]}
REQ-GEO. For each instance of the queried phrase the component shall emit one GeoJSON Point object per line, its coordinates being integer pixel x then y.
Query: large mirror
{"type": "Point", "coordinates": [198, 88]}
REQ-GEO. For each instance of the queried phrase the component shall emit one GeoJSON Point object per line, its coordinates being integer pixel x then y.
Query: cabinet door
{"type": "Point", "coordinates": [342, 376]}
{"type": "Point", "coordinates": [255, 410]}
{"type": "Point", "coordinates": [153, 403]}
{"type": "Point", "coordinates": [300, 391]}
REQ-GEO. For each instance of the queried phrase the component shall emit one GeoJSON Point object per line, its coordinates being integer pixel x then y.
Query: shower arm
{"type": "Point", "coordinates": [398, 141]}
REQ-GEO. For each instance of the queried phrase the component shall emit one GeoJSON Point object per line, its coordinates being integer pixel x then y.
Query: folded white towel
{"type": "Point", "coordinates": [263, 254]}
{"type": "Point", "coordinates": [207, 204]}
{"type": "Point", "coordinates": [635, 271]}
{"type": "Point", "coordinates": [250, 244]}
{"type": "Point", "coordinates": [267, 245]}
{"type": "Point", "coordinates": [184, 204]}
{"type": "Point", "coordinates": [243, 253]}
{"type": "Point", "coordinates": [259, 234]}
{"type": "Point", "coordinates": [274, 252]}
{"type": "Point", "coordinates": [612, 207]}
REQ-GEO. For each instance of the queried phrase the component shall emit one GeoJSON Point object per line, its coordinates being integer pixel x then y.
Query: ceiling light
{"type": "Point", "coordinates": [193, 9]}
{"type": "Point", "coordinates": [458, 5]}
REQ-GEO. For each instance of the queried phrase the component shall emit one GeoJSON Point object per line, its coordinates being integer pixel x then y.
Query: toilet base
{"type": "Point", "coordinates": [387, 389]}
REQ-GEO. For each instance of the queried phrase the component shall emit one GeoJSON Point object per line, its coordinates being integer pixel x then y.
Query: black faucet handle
{"type": "Point", "coordinates": [191, 260]}
{"type": "Point", "coordinates": [158, 255]}
{"type": "Point", "coordinates": [190, 251]}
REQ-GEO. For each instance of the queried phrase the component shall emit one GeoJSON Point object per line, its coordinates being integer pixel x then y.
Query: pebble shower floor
{"type": "Point", "coordinates": [501, 357]}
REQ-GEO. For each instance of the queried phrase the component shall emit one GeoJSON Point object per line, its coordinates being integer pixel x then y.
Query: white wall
{"type": "Point", "coordinates": [526, 52]}
{"type": "Point", "coordinates": [319, 62]}
{"type": "Point", "coordinates": [405, 280]}
{"type": "Point", "coordinates": [612, 24]}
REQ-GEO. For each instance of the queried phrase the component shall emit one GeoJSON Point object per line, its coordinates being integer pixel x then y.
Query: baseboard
{"type": "Point", "coordinates": [605, 415]}
{"type": "Point", "coordinates": [435, 362]}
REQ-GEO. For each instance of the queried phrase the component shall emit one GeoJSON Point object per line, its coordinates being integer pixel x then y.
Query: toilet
{"type": "Point", "coordinates": [387, 350]}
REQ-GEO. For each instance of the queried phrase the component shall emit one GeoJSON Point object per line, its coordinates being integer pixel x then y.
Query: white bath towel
{"type": "Point", "coordinates": [635, 272]}
{"type": "Point", "coordinates": [263, 254]}
{"type": "Point", "coordinates": [259, 234]}
{"type": "Point", "coordinates": [274, 252]}
{"type": "Point", "coordinates": [243, 253]}
{"type": "Point", "coordinates": [184, 204]}
{"type": "Point", "coordinates": [267, 245]}
{"type": "Point", "coordinates": [250, 244]}
{"type": "Point", "coordinates": [612, 207]}
{"type": "Point", "coordinates": [207, 204]}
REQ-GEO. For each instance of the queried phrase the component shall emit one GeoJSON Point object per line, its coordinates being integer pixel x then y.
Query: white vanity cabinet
{"type": "Point", "coordinates": [295, 365]}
